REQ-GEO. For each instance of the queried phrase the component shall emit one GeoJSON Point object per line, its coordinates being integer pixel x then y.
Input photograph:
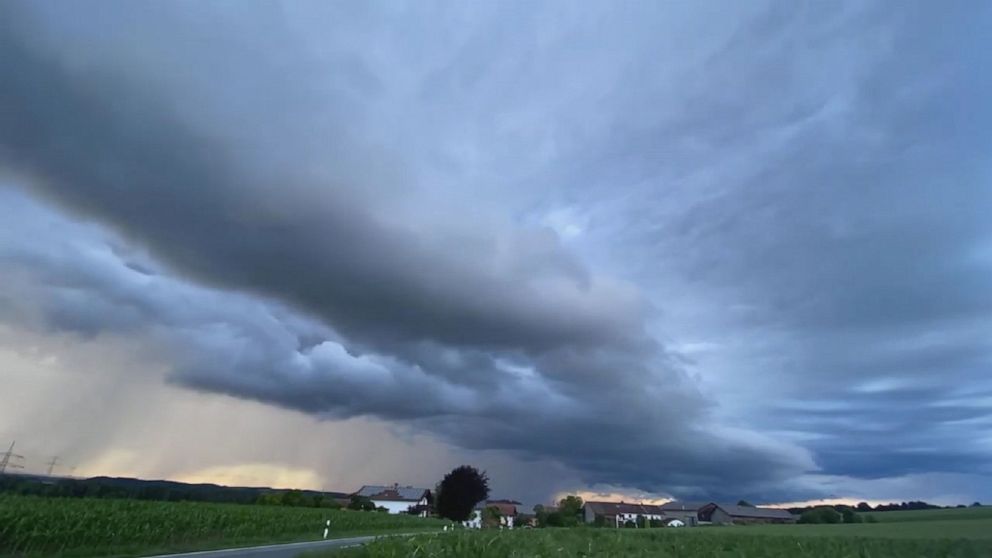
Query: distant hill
{"type": "Point", "coordinates": [166, 490]}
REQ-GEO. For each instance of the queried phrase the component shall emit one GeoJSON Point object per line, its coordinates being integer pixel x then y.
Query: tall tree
{"type": "Point", "coordinates": [570, 508]}
{"type": "Point", "coordinates": [460, 491]}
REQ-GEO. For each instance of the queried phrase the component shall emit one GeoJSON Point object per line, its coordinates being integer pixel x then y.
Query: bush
{"type": "Point", "coordinates": [417, 509]}
{"type": "Point", "coordinates": [820, 515]}
{"type": "Point", "coordinates": [552, 519]}
{"type": "Point", "coordinates": [850, 517]}
{"type": "Point", "coordinates": [361, 503]}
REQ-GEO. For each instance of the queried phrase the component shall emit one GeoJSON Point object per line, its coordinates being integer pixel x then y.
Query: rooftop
{"type": "Point", "coordinates": [394, 493]}
{"type": "Point", "coordinates": [614, 508]}
{"type": "Point", "coordinates": [748, 511]}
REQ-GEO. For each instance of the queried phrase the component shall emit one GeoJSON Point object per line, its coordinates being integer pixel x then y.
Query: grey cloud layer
{"type": "Point", "coordinates": [834, 252]}
{"type": "Point", "coordinates": [803, 192]}
{"type": "Point", "coordinates": [63, 277]}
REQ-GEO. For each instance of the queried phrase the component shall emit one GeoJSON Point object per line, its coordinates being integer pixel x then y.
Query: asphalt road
{"type": "Point", "coordinates": [289, 550]}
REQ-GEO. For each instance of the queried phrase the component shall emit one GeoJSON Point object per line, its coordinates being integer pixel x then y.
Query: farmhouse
{"type": "Point", "coordinates": [620, 512]}
{"type": "Point", "coordinates": [398, 499]}
{"type": "Point", "coordinates": [507, 508]}
{"type": "Point", "coordinates": [730, 514]}
{"type": "Point", "coordinates": [683, 506]}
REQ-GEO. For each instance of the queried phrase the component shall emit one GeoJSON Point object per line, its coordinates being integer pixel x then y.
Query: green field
{"type": "Point", "coordinates": [943, 529]}
{"type": "Point", "coordinates": [662, 543]}
{"type": "Point", "coordinates": [941, 533]}
{"type": "Point", "coordinates": [80, 527]}
{"type": "Point", "coordinates": [983, 512]}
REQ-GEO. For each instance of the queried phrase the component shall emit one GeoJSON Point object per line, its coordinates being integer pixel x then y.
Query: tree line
{"type": "Point", "coordinates": [161, 490]}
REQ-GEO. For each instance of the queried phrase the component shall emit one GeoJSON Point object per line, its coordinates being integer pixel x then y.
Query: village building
{"type": "Point", "coordinates": [398, 499]}
{"type": "Point", "coordinates": [730, 514]}
{"type": "Point", "coordinates": [618, 513]}
{"type": "Point", "coordinates": [684, 514]}
{"type": "Point", "coordinates": [687, 512]}
{"type": "Point", "coordinates": [502, 514]}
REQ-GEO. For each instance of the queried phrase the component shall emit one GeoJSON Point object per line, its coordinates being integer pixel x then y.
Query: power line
{"type": "Point", "coordinates": [7, 456]}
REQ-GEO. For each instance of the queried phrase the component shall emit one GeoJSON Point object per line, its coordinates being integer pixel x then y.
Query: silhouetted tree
{"type": "Point", "coordinates": [460, 491]}
{"type": "Point", "coordinates": [745, 503]}
{"type": "Point", "coordinates": [864, 506]}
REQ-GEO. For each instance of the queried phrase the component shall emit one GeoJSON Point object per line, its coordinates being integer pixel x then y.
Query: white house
{"type": "Point", "coordinates": [396, 498]}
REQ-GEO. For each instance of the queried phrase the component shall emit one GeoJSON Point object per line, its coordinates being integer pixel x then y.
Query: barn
{"type": "Point", "coordinates": [731, 514]}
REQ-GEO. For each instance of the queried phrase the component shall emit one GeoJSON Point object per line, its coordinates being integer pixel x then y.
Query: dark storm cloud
{"type": "Point", "coordinates": [802, 193]}
{"type": "Point", "coordinates": [581, 408]}
{"type": "Point", "coordinates": [102, 146]}
{"type": "Point", "coordinates": [449, 327]}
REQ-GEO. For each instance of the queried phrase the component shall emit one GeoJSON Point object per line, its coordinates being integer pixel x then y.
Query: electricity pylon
{"type": "Point", "coordinates": [5, 458]}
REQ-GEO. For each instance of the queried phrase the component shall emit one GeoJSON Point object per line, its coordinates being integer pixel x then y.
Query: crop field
{"type": "Point", "coordinates": [661, 543]}
{"type": "Point", "coordinates": [78, 527]}
{"type": "Point", "coordinates": [945, 534]}
{"type": "Point", "coordinates": [983, 512]}
{"type": "Point", "coordinates": [943, 529]}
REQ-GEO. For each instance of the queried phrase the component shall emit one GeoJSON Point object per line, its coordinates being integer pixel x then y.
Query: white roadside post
{"type": "Point", "coordinates": [327, 528]}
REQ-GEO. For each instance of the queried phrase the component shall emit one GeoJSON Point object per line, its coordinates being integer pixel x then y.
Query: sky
{"type": "Point", "coordinates": [701, 250]}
